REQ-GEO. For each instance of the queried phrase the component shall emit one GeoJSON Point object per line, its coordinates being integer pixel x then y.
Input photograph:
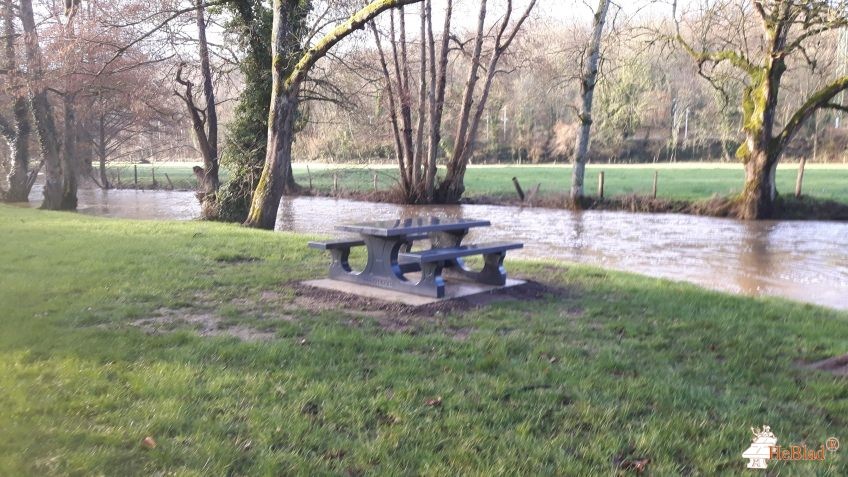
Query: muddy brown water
{"type": "Point", "coordinates": [804, 261]}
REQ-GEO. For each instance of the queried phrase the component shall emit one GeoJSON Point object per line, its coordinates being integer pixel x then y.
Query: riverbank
{"type": "Point", "coordinates": [192, 334]}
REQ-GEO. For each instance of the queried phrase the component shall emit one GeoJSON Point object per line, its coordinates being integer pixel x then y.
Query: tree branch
{"type": "Point", "coordinates": [356, 22]}
{"type": "Point", "coordinates": [820, 99]}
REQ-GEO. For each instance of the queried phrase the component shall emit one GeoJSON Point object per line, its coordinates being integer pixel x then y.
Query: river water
{"type": "Point", "coordinates": [804, 261]}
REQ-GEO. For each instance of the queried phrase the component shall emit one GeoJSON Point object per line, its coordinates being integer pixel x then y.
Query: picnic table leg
{"type": "Point", "coordinates": [383, 270]}
{"type": "Point", "coordinates": [493, 272]}
{"type": "Point", "coordinates": [340, 266]}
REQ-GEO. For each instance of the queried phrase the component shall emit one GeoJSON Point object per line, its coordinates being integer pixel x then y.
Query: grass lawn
{"type": "Point", "coordinates": [612, 369]}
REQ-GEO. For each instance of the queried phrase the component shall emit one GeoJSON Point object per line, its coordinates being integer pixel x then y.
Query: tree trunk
{"type": "Point", "coordinates": [101, 153]}
{"type": "Point", "coordinates": [42, 112]}
{"type": "Point", "coordinates": [17, 137]}
{"type": "Point", "coordinates": [210, 160]}
{"type": "Point", "coordinates": [587, 86]}
{"type": "Point", "coordinates": [436, 96]}
{"type": "Point", "coordinates": [759, 193]}
{"type": "Point", "coordinates": [70, 166]}
{"type": "Point", "coordinates": [19, 183]}
{"type": "Point", "coordinates": [276, 175]}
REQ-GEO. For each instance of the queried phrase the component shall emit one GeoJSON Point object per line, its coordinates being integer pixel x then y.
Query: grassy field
{"type": "Point", "coordinates": [690, 181]}
{"type": "Point", "coordinates": [602, 372]}
{"type": "Point", "coordinates": [676, 181]}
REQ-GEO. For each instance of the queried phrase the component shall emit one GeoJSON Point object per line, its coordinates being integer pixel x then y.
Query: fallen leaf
{"type": "Point", "coordinates": [149, 443]}
{"type": "Point", "coordinates": [434, 402]}
{"type": "Point", "coordinates": [303, 341]}
{"type": "Point", "coordinates": [638, 465]}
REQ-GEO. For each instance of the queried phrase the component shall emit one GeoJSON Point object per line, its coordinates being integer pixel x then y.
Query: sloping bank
{"type": "Point", "coordinates": [192, 335]}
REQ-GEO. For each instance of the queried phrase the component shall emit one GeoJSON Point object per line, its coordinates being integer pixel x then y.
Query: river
{"type": "Point", "coordinates": [804, 261]}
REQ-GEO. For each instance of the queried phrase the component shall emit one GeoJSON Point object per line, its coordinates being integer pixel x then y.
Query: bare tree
{"type": "Point", "coordinates": [417, 170]}
{"type": "Point", "coordinates": [453, 185]}
{"type": "Point", "coordinates": [786, 28]}
{"type": "Point", "coordinates": [204, 120]}
{"type": "Point", "coordinates": [588, 81]}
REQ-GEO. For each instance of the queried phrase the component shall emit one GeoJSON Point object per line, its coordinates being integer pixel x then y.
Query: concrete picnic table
{"type": "Point", "coordinates": [389, 243]}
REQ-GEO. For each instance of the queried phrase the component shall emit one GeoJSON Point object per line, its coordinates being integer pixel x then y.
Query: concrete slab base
{"type": "Point", "coordinates": [453, 289]}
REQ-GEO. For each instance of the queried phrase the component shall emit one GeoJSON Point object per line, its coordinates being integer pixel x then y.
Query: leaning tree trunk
{"type": "Point", "coordinates": [277, 172]}
{"type": "Point", "coordinates": [587, 87]}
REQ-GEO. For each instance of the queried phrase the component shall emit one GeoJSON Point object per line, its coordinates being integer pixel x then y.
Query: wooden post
{"type": "Point", "coordinates": [153, 173]}
{"type": "Point", "coordinates": [518, 188]}
{"type": "Point", "coordinates": [601, 185]}
{"type": "Point", "coordinates": [135, 175]}
{"type": "Point", "coordinates": [309, 173]}
{"type": "Point", "coordinates": [335, 184]}
{"type": "Point", "coordinates": [375, 182]}
{"type": "Point", "coordinates": [800, 180]}
{"type": "Point", "coordinates": [654, 192]}
{"type": "Point", "coordinates": [533, 193]}
{"type": "Point", "coordinates": [170, 184]}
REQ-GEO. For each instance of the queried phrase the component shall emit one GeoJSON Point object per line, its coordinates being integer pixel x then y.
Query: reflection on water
{"type": "Point", "coordinates": [806, 261]}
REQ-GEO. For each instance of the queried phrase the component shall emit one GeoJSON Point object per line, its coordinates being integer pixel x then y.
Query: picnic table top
{"type": "Point", "coordinates": [414, 225]}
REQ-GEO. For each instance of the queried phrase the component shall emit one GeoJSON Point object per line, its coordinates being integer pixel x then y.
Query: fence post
{"type": "Point", "coordinates": [533, 193]}
{"type": "Point", "coordinates": [170, 184]}
{"type": "Point", "coordinates": [800, 180]}
{"type": "Point", "coordinates": [335, 183]}
{"type": "Point", "coordinates": [601, 185]}
{"type": "Point", "coordinates": [375, 182]}
{"type": "Point", "coordinates": [654, 192]}
{"type": "Point", "coordinates": [518, 188]}
{"type": "Point", "coordinates": [153, 173]}
{"type": "Point", "coordinates": [135, 176]}
{"type": "Point", "coordinates": [309, 173]}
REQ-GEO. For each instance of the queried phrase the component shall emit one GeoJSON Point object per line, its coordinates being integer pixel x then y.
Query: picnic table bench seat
{"type": "Point", "coordinates": [445, 254]}
{"type": "Point", "coordinates": [434, 260]}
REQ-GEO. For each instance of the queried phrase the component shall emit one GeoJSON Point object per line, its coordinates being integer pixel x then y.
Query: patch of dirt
{"type": "Point", "coordinates": [236, 258]}
{"type": "Point", "coordinates": [205, 323]}
{"type": "Point", "coordinates": [390, 317]}
{"type": "Point", "coordinates": [838, 365]}
{"type": "Point", "coordinates": [320, 299]}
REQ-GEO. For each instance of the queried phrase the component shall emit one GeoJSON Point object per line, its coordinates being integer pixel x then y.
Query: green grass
{"type": "Point", "coordinates": [683, 181]}
{"type": "Point", "coordinates": [618, 367]}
